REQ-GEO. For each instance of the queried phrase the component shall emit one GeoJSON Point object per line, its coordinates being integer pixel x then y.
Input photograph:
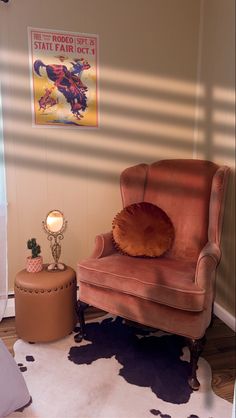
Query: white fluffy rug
{"type": "Point", "coordinates": [115, 373]}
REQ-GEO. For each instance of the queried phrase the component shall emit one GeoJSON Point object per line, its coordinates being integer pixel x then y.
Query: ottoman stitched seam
{"type": "Point", "coordinates": [48, 290]}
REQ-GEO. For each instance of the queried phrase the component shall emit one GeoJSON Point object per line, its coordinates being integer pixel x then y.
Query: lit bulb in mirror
{"type": "Point", "coordinates": [54, 221]}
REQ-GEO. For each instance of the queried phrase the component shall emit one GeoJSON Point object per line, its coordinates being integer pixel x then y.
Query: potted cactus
{"type": "Point", "coordinates": [34, 263]}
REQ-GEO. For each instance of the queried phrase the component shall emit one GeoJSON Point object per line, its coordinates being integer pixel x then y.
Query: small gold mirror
{"type": "Point", "coordinates": [54, 221]}
{"type": "Point", "coordinates": [54, 225]}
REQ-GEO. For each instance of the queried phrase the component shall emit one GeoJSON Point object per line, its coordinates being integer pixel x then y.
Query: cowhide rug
{"type": "Point", "coordinates": [119, 371]}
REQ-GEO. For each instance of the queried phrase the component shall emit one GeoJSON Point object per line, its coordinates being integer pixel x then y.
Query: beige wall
{"type": "Point", "coordinates": [149, 63]}
{"type": "Point", "coordinates": [217, 75]}
{"type": "Point", "coordinates": [148, 67]}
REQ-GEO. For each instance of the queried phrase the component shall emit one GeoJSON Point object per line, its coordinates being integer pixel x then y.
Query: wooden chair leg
{"type": "Point", "coordinates": [212, 316]}
{"type": "Point", "coordinates": [195, 347]}
{"type": "Point", "coordinates": [81, 306]}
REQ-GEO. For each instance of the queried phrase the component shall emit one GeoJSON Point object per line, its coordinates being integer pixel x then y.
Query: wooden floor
{"type": "Point", "coordinates": [219, 352]}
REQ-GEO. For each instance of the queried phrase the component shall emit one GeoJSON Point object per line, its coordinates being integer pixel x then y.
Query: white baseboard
{"type": "Point", "coordinates": [10, 309]}
{"type": "Point", "coordinates": [225, 316]}
{"type": "Point", "coordinates": [220, 312]}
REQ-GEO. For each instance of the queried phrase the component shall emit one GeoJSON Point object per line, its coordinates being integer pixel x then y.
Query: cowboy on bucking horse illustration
{"type": "Point", "coordinates": [68, 82]}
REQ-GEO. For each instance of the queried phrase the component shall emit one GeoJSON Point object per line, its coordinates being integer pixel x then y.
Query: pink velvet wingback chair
{"type": "Point", "coordinates": [174, 292]}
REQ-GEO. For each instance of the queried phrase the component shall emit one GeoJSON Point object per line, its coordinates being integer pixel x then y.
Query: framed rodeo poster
{"type": "Point", "coordinates": [64, 78]}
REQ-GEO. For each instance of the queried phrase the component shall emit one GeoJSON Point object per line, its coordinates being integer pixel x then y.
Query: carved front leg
{"type": "Point", "coordinates": [212, 316]}
{"type": "Point", "coordinates": [195, 347]}
{"type": "Point", "coordinates": [80, 308]}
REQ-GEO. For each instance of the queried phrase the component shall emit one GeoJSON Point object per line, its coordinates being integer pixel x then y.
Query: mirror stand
{"type": "Point", "coordinates": [54, 225]}
{"type": "Point", "coordinates": [56, 252]}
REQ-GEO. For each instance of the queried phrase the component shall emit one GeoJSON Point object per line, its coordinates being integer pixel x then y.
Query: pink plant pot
{"type": "Point", "coordinates": [34, 265]}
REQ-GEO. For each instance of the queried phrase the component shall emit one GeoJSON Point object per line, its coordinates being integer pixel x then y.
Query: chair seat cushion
{"type": "Point", "coordinates": [162, 280]}
{"type": "Point", "coordinates": [142, 230]}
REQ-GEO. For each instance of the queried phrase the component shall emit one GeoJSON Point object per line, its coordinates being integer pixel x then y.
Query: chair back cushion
{"type": "Point", "coordinates": [182, 188]}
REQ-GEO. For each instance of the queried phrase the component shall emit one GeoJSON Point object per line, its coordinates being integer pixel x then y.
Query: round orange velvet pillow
{"type": "Point", "coordinates": [142, 229]}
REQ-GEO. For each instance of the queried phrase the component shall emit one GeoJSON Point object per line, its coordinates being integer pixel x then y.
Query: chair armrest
{"type": "Point", "coordinates": [211, 249]}
{"type": "Point", "coordinates": [207, 262]}
{"type": "Point", "coordinates": [103, 246]}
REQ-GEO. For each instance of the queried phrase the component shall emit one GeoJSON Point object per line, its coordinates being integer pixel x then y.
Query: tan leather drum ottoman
{"type": "Point", "coordinates": [45, 304]}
